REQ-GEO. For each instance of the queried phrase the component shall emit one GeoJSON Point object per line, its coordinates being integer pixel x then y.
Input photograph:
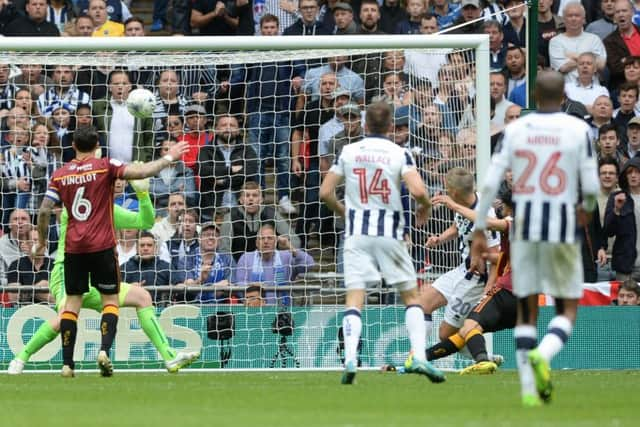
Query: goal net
{"type": "Point", "coordinates": [238, 254]}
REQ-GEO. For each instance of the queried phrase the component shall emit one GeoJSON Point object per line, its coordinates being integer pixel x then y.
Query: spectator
{"type": "Point", "coordinates": [7, 14]}
{"type": "Point", "coordinates": [16, 171]}
{"type": "Point", "coordinates": [83, 118]}
{"type": "Point", "coordinates": [627, 98]}
{"type": "Point", "coordinates": [147, 269]}
{"type": "Point", "coordinates": [117, 10]}
{"type": "Point", "coordinates": [601, 114]}
{"type": "Point", "coordinates": [103, 26]}
{"type": "Point", "coordinates": [621, 219]}
{"type": "Point", "coordinates": [129, 138]}
{"type": "Point", "coordinates": [446, 13]}
{"type": "Point", "coordinates": [168, 99]}
{"type": "Point", "coordinates": [334, 125]}
{"type": "Point", "coordinates": [422, 66]}
{"type": "Point", "coordinates": [493, 11]}
{"type": "Point", "coordinates": [565, 47]}
{"type": "Point", "coordinates": [586, 88]}
{"type": "Point", "coordinates": [7, 90]}
{"type": "Point", "coordinates": [515, 29]}
{"type": "Point", "coordinates": [629, 293]}
{"type": "Point", "coordinates": [351, 119]}
{"type": "Point", "coordinates": [605, 25]}
{"type": "Point", "coordinates": [184, 245]}
{"type": "Point", "coordinates": [175, 126]}
{"type": "Point", "coordinates": [608, 171]}
{"type": "Point", "coordinates": [29, 270]}
{"type": "Point", "coordinates": [34, 23]}
{"type": "Point", "coordinates": [83, 26]}
{"type": "Point", "coordinates": [632, 72]}
{"type": "Point", "coordinates": [254, 297]}
{"type": "Point", "coordinates": [32, 79]}
{"type": "Point", "coordinates": [285, 10]}
{"type": "Point", "coordinates": [42, 162]}
{"type": "Point", "coordinates": [177, 178]}
{"type": "Point", "coordinates": [25, 101]}
{"type": "Point", "coordinates": [64, 92]}
{"type": "Point", "coordinates": [269, 266]}
{"type": "Point", "coordinates": [166, 228]}
{"type": "Point", "coordinates": [549, 26]}
{"type": "Point", "coordinates": [369, 67]}
{"type": "Point", "coordinates": [59, 13]}
{"type": "Point", "coordinates": [621, 43]}
{"type": "Point", "coordinates": [633, 138]}
{"type": "Point", "coordinates": [10, 243]}
{"type": "Point", "coordinates": [391, 14]}
{"type": "Point", "coordinates": [224, 167]}
{"type": "Point", "coordinates": [219, 18]}
{"type": "Point", "coordinates": [308, 121]}
{"type": "Point", "coordinates": [395, 90]}
{"type": "Point", "coordinates": [608, 145]}
{"type": "Point", "coordinates": [210, 269]}
{"type": "Point", "coordinates": [411, 23]}
{"type": "Point", "coordinates": [126, 247]}
{"type": "Point", "coordinates": [307, 24]}
{"type": "Point", "coordinates": [181, 17]}
{"type": "Point", "coordinates": [124, 198]}
{"type": "Point", "coordinates": [159, 15]}
{"type": "Point", "coordinates": [497, 49]}
{"type": "Point", "coordinates": [240, 225]}
{"type": "Point", "coordinates": [343, 17]}
{"type": "Point", "coordinates": [468, 20]}
{"type": "Point", "coordinates": [516, 70]}
{"type": "Point", "coordinates": [134, 26]}
{"type": "Point", "coordinates": [347, 79]}
{"type": "Point", "coordinates": [498, 88]}
{"type": "Point", "coordinates": [196, 133]}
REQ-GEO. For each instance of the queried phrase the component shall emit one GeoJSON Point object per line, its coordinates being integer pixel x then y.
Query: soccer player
{"type": "Point", "coordinates": [495, 311]}
{"type": "Point", "coordinates": [550, 154]}
{"type": "Point", "coordinates": [373, 170]}
{"type": "Point", "coordinates": [85, 187]}
{"type": "Point", "coordinates": [129, 296]}
{"type": "Point", "coordinates": [459, 289]}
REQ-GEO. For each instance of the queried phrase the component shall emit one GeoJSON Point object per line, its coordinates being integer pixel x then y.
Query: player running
{"type": "Point", "coordinates": [129, 296]}
{"type": "Point", "coordinates": [373, 170]}
{"type": "Point", "coordinates": [85, 187]}
{"type": "Point", "coordinates": [551, 157]}
{"type": "Point", "coordinates": [495, 311]}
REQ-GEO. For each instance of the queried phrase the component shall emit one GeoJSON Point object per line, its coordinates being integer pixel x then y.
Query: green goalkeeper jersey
{"type": "Point", "coordinates": [122, 219]}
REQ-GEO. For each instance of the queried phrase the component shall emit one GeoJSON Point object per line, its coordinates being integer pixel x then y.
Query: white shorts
{"type": "Point", "coordinates": [546, 268]}
{"type": "Point", "coordinates": [461, 292]}
{"type": "Point", "coordinates": [367, 259]}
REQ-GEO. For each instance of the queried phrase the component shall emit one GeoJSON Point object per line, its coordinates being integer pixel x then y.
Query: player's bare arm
{"type": "Point", "coordinates": [144, 170]}
{"type": "Point", "coordinates": [44, 217]}
{"type": "Point", "coordinates": [328, 192]}
{"type": "Point", "coordinates": [494, 224]}
{"type": "Point", "coordinates": [419, 192]}
{"type": "Point", "coordinates": [447, 235]}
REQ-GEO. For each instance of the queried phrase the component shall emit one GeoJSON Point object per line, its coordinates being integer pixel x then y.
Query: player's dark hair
{"type": "Point", "coordinates": [378, 118]}
{"type": "Point", "coordinates": [85, 139]}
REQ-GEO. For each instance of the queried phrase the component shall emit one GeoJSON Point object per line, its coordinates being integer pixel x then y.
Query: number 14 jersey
{"type": "Point", "coordinates": [551, 158]}
{"type": "Point", "coordinates": [85, 188]}
{"type": "Point", "coordinates": [372, 169]}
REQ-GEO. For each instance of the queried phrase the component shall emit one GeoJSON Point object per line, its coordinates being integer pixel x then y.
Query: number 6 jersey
{"type": "Point", "coordinates": [85, 188]}
{"type": "Point", "coordinates": [372, 169]}
{"type": "Point", "coordinates": [551, 157]}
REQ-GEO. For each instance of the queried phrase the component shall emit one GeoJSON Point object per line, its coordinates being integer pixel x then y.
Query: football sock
{"type": "Point", "coordinates": [558, 333]}
{"type": "Point", "coordinates": [428, 322]}
{"type": "Point", "coordinates": [477, 346]}
{"type": "Point", "coordinates": [68, 331]}
{"type": "Point", "coordinates": [444, 348]}
{"type": "Point", "coordinates": [108, 325]}
{"type": "Point", "coordinates": [351, 328]}
{"type": "Point", "coordinates": [525, 336]}
{"type": "Point", "coordinates": [414, 319]}
{"type": "Point", "coordinates": [154, 332]}
{"type": "Point", "coordinates": [43, 336]}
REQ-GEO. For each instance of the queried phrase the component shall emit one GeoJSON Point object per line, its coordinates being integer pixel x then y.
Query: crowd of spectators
{"type": "Point", "coordinates": [214, 226]}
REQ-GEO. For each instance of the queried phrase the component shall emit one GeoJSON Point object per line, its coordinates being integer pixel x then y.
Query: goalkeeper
{"type": "Point", "coordinates": [130, 295]}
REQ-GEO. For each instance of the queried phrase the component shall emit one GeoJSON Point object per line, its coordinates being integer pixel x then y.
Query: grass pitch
{"type": "Point", "coordinates": [582, 398]}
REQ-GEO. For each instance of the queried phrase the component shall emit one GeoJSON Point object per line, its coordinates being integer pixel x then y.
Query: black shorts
{"type": "Point", "coordinates": [99, 267]}
{"type": "Point", "coordinates": [496, 311]}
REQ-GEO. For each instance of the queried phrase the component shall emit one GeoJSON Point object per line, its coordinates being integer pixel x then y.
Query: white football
{"type": "Point", "coordinates": [141, 103]}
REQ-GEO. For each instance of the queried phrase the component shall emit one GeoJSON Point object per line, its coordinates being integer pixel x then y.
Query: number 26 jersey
{"type": "Point", "coordinates": [85, 188]}
{"type": "Point", "coordinates": [372, 169]}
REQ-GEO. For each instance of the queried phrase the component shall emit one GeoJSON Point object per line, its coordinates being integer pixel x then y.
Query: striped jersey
{"type": "Point", "coordinates": [551, 157]}
{"type": "Point", "coordinates": [466, 228]}
{"type": "Point", "coordinates": [372, 169]}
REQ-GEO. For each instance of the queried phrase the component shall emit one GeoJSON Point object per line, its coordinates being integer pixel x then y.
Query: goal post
{"type": "Point", "coordinates": [312, 300]}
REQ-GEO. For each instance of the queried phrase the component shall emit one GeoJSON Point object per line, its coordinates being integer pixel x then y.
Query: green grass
{"type": "Point", "coordinates": [583, 398]}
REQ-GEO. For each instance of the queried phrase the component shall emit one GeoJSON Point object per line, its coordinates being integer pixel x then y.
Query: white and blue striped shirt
{"type": "Point", "coordinates": [372, 169]}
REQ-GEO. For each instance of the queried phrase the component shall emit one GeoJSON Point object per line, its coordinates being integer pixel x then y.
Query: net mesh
{"type": "Point", "coordinates": [263, 127]}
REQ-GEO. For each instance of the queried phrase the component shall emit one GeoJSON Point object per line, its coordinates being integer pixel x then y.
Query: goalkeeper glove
{"type": "Point", "coordinates": [140, 185]}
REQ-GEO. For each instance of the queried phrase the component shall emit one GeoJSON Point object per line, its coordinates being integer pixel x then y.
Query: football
{"type": "Point", "coordinates": [141, 103]}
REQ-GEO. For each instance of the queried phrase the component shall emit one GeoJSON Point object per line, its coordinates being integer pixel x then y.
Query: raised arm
{"type": "Point", "coordinates": [145, 170]}
{"type": "Point", "coordinates": [492, 223]}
